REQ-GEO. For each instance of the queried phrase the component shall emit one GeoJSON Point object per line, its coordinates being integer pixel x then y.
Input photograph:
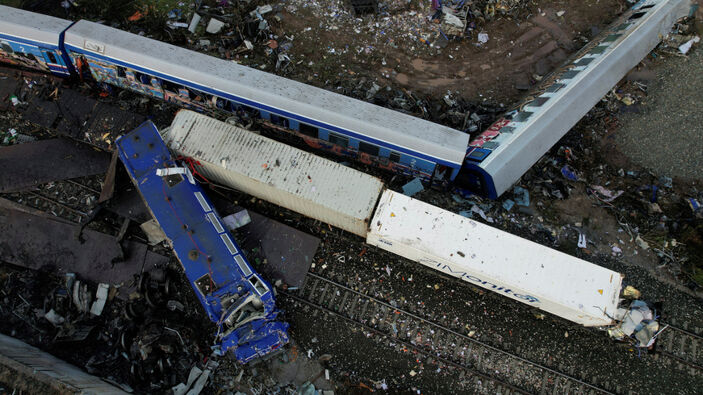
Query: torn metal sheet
{"type": "Point", "coordinates": [127, 203]}
{"type": "Point", "coordinates": [52, 160]}
{"type": "Point", "coordinates": [41, 112]}
{"type": "Point", "coordinates": [109, 184]}
{"type": "Point", "coordinates": [75, 111]}
{"type": "Point", "coordinates": [37, 242]}
{"type": "Point", "coordinates": [288, 252]}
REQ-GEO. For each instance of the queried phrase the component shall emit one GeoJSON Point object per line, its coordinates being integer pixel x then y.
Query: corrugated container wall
{"type": "Point", "coordinates": [315, 187]}
{"type": "Point", "coordinates": [539, 276]}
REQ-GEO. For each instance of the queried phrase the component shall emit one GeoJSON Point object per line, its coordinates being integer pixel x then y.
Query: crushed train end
{"type": "Point", "coordinates": [234, 296]}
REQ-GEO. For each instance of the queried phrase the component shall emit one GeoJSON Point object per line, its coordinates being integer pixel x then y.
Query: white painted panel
{"type": "Point", "coordinates": [531, 139]}
{"type": "Point", "coordinates": [257, 86]}
{"type": "Point", "coordinates": [32, 26]}
{"type": "Point", "coordinates": [278, 173]}
{"type": "Point", "coordinates": [498, 261]}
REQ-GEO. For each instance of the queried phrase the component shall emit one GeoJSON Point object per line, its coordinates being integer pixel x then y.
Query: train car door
{"type": "Point", "coordinates": [54, 62]}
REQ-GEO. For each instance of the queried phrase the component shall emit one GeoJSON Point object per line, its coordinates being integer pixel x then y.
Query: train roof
{"type": "Point", "coordinates": [554, 110]}
{"type": "Point", "coordinates": [499, 261]}
{"type": "Point", "coordinates": [28, 25]}
{"type": "Point", "coordinates": [300, 100]}
{"type": "Point", "coordinates": [273, 171]}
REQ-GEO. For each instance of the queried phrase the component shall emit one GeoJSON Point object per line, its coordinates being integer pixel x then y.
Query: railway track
{"type": "Point", "coordinates": [506, 372]}
{"type": "Point", "coordinates": [66, 199]}
{"type": "Point", "coordinates": [682, 347]}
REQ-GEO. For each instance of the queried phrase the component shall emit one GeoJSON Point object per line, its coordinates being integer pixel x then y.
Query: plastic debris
{"type": "Point", "coordinates": [631, 292]}
{"type": "Point", "coordinates": [481, 213]}
{"type": "Point", "coordinates": [237, 220]}
{"type": "Point", "coordinates": [508, 204]}
{"type": "Point", "coordinates": [194, 23]}
{"type": "Point", "coordinates": [641, 243]}
{"type": "Point", "coordinates": [616, 250]}
{"type": "Point", "coordinates": [521, 196]}
{"type": "Point", "coordinates": [685, 47]}
{"type": "Point", "coordinates": [569, 173]}
{"type": "Point", "coordinates": [482, 38]}
{"type": "Point", "coordinates": [413, 187]}
{"type": "Point", "coordinates": [214, 26]}
{"type": "Point", "coordinates": [604, 194]}
{"type": "Point", "coordinates": [100, 299]}
{"type": "Point", "coordinates": [54, 318]}
{"type": "Point", "coordinates": [639, 320]}
{"type": "Point", "coordinates": [583, 242]}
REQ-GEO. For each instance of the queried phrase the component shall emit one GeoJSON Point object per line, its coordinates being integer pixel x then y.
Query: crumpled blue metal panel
{"type": "Point", "coordinates": [219, 273]}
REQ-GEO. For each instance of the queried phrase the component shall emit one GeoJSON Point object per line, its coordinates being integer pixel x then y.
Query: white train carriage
{"type": "Point", "coordinates": [338, 123]}
{"type": "Point", "coordinates": [33, 41]}
{"type": "Point", "coordinates": [530, 273]}
{"type": "Point", "coordinates": [500, 155]}
{"type": "Point", "coordinates": [276, 172]}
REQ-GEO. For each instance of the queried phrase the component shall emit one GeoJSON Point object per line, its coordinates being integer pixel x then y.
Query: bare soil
{"type": "Point", "coordinates": [518, 52]}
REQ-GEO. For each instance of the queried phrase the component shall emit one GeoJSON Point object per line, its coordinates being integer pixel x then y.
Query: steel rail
{"type": "Point", "coordinates": [448, 330]}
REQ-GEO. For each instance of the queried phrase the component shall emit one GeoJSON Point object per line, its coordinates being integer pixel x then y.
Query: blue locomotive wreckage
{"type": "Point", "coordinates": [234, 296]}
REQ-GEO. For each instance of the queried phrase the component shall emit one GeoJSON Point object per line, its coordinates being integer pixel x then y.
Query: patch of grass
{"type": "Point", "coordinates": [11, 3]}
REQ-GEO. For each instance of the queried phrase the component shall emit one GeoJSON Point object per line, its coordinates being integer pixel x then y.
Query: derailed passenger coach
{"type": "Point", "coordinates": [234, 296]}
{"type": "Point", "coordinates": [487, 164]}
{"type": "Point", "coordinates": [478, 254]}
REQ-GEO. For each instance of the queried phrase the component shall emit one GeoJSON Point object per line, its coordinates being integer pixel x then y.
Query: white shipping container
{"type": "Point", "coordinates": [291, 178]}
{"type": "Point", "coordinates": [539, 276]}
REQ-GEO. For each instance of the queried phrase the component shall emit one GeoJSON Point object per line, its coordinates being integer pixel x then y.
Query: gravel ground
{"type": "Point", "coordinates": [666, 135]}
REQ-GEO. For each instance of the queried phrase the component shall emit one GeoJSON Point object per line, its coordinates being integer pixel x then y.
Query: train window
{"type": "Point", "coordinates": [598, 50]}
{"type": "Point", "coordinates": [637, 15]}
{"type": "Point", "coordinates": [258, 285]}
{"type": "Point", "coordinates": [339, 140]}
{"type": "Point", "coordinates": [278, 120]}
{"type": "Point", "coordinates": [170, 86]}
{"type": "Point", "coordinates": [394, 157]}
{"type": "Point", "coordinates": [121, 72]}
{"type": "Point", "coordinates": [368, 148]}
{"type": "Point", "coordinates": [584, 62]}
{"type": "Point", "coordinates": [51, 56]}
{"type": "Point", "coordinates": [141, 77]}
{"type": "Point", "coordinates": [538, 102]}
{"type": "Point", "coordinates": [569, 74]}
{"type": "Point", "coordinates": [242, 265]}
{"type": "Point", "coordinates": [612, 38]}
{"type": "Point", "coordinates": [308, 130]}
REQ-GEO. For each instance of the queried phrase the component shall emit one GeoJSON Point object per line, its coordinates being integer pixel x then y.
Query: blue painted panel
{"type": "Point", "coordinates": [263, 107]}
{"type": "Point", "coordinates": [204, 247]}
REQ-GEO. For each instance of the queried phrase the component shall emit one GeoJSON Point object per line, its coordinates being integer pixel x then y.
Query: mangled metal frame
{"type": "Point", "coordinates": [234, 296]}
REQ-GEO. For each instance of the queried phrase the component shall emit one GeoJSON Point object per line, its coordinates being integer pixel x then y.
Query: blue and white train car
{"type": "Point", "coordinates": [498, 157]}
{"type": "Point", "coordinates": [487, 165]}
{"type": "Point", "coordinates": [346, 126]}
{"type": "Point", "coordinates": [33, 41]}
{"type": "Point", "coordinates": [233, 295]}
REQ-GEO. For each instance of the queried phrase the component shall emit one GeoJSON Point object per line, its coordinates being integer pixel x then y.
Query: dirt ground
{"type": "Point", "coordinates": [519, 51]}
{"type": "Point", "coordinates": [400, 50]}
